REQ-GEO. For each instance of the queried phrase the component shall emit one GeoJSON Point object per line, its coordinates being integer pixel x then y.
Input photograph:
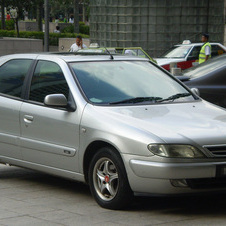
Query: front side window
{"type": "Point", "coordinates": [116, 81]}
{"type": "Point", "coordinates": [12, 75]}
{"type": "Point", "coordinates": [195, 52]}
{"type": "Point", "coordinates": [48, 79]}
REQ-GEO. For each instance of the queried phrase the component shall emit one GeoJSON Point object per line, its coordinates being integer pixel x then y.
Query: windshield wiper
{"type": "Point", "coordinates": [137, 100]}
{"type": "Point", "coordinates": [176, 96]}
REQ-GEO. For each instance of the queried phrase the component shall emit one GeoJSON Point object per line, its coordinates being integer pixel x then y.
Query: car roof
{"type": "Point", "coordinates": [199, 44]}
{"type": "Point", "coordinates": [73, 57]}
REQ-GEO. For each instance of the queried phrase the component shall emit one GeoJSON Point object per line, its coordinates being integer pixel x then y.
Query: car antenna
{"type": "Point", "coordinates": [111, 56]}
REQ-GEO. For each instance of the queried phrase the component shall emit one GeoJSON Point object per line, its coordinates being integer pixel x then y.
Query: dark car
{"type": "Point", "coordinates": [210, 79]}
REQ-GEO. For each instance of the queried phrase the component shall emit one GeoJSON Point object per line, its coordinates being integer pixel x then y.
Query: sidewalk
{"type": "Point", "coordinates": [31, 198]}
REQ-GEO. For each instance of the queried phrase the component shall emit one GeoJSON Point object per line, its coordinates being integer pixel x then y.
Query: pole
{"type": "Point", "coordinates": [3, 14]}
{"type": "Point", "coordinates": [46, 36]}
{"type": "Point", "coordinates": [76, 16]}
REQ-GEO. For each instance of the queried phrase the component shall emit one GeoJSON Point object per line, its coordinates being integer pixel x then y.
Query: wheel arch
{"type": "Point", "coordinates": [91, 150]}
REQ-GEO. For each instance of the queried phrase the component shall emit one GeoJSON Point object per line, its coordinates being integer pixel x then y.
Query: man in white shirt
{"type": "Point", "coordinates": [78, 44]}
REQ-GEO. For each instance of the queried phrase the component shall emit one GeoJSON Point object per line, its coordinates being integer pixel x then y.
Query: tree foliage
{"type": "Point", "coordinates": [63, 8]}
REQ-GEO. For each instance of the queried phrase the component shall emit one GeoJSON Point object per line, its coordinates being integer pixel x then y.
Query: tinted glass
{"type": "Point", "coordinates": [195, 52]}
{"type": "Point", "coordinates": [206, 67]}
{"type": "Point", "coordinates": [12, 75]}
{"type": "Point", "coordinates": [107, 82]}
{"type": "Point", "coordinates": [216, 50]}
{"type": "Point", "coordinates": [48, 79]}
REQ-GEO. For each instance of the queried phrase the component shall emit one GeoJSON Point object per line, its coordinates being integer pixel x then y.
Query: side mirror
{"type": "Point", "coordinates": [56, 100]}
{"type": "Point", "coordinates": [195, 91]}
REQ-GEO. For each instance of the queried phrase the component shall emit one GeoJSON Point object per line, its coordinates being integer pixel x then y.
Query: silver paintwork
{"type": "Point", "coordinates": [56, 141]}
{"type": "Point", "coordinates": [57, 100]}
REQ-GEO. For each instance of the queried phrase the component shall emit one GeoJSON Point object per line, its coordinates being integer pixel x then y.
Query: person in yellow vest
{"type": "Point", "coordinates": [205, 52]}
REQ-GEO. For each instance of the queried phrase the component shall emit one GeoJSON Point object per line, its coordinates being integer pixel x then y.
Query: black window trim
{"type": "Point", "coordinates": [27, 87]}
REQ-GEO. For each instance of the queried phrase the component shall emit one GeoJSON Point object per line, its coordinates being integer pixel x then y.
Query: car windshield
{"type": "Point", "coordinates": [206, 67]}
{"type": "Point", "coordinates": [177, 52]}
{"type": "Point", "coordinates": [127, 82]}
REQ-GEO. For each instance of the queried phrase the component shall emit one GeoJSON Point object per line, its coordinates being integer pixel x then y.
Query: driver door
{"type": "Point", "coordinates": [50, 136]}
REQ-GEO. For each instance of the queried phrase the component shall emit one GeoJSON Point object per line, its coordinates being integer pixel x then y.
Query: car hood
{"type": "Point", "coordinates": [164, 61]}
{"type": "Point", "coordinates": [199, 122]}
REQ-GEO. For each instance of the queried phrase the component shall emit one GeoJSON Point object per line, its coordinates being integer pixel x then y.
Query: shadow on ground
{"type": "Point", "coordinates": [210, 205]}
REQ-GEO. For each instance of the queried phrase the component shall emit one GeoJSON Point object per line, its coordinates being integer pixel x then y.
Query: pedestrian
{"type": "Point", "coordinates": [78, 44]}
{"type": "Point", "coordinates": [71, 19]}
{"type": "Point", "coordinates": [8, 16]}
{"type": "Point", "coordinates": [57, 30]}
{"type": "Point", "coordinates": [205, 52]}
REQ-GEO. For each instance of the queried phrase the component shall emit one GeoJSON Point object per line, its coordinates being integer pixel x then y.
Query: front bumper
{"type": "Point", "coordinates": [162, 178]}
{"type": "Point", "coordinates": [173, 170]}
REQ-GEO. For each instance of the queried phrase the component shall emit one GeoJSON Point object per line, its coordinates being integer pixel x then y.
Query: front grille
{"type": "Point", "coordinates": [218, 151]}
{"type": "Point", "coordinates": [207, 183]}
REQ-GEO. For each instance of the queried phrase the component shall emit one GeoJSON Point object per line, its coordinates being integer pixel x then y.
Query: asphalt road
{"type": "Point", "coordinates": [32, 198]}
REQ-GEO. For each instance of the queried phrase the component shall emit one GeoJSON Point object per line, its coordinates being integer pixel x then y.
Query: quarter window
{"type": "Point", "coordinates": [48, 79]}
{"type": "Point", "coordinates": [216, 50]}
{"type": "Point", "coordinates": [12, 75]}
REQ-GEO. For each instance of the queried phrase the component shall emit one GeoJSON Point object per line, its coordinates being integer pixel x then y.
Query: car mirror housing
{"type": "Point", "coordinates": [56, 100]}
{"type": "Point", "coordinates": [195, 91]}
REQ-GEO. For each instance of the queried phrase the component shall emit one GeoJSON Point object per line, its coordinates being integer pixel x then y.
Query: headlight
{"type": "Point", "coordinates": [175, 151]}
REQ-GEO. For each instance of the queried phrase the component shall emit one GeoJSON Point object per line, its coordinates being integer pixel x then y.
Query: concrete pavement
{"type": "Point", "coordinates": [32, 198]}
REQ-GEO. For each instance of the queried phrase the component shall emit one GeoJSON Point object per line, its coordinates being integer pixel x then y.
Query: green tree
{"type": "Point", "coordinates": [16, 9]}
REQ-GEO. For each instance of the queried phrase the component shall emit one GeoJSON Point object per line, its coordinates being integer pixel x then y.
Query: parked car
{"type": "Point", "coordinates": [209, 78]}
{"type": "Point", "coordinates": [120, 124]}
{"type": "Point", "coordinates": [133, 51]}
{"type": "Point", "coordinates": [184, 55]}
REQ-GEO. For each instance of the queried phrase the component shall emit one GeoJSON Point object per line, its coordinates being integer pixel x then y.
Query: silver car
{"type": "Point", "coordinates": [118, 123]}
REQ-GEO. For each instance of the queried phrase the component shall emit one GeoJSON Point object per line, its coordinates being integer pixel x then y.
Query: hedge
{"type": "Point", "coordinates": [9, 25]}
{"type": "Point", "coordinates": [53, 37]}
{"type": "Point", "coordinates": [84, 29]}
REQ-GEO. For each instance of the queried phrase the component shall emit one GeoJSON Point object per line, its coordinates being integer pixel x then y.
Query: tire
{"type": "Point", "coordinates": [108, 180]}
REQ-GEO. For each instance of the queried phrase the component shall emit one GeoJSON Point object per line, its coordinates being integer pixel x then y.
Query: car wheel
{"type": "Point", "coordinates": [108, 180]}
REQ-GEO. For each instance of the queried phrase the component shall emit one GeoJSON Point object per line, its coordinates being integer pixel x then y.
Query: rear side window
{"type": "Point", "coordinates": [12, 75]}
{"type": "Point", "coordinates": [48, 79]}
{"type": "Point", "coordinates": [216, 50]}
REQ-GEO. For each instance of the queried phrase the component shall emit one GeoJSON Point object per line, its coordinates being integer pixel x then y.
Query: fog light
{"type": "Point", "coordinates": [181, 183]}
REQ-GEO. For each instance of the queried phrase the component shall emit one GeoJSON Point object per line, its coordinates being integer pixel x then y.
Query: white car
{"type": "Point", "coordinates": [184, 55]}
{"type": "Point", "coordinates": [118, 123]}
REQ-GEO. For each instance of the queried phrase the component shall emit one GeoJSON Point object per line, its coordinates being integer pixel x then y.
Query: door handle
{"type": "Point", "coordinates": [28, 118]}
